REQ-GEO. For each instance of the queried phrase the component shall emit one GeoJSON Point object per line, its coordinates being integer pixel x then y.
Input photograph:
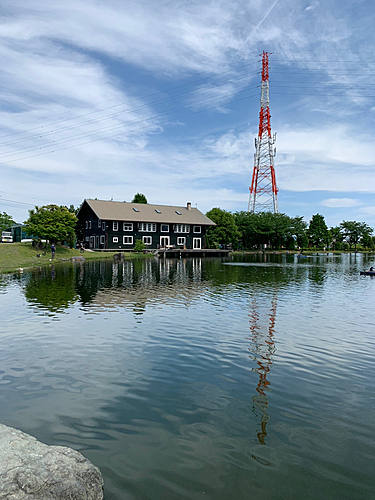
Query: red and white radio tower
{"type": "Point", "coordinates": [263, 190]}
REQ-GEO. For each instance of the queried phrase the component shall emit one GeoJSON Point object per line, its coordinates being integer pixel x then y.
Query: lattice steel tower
{"type": "Point", "coordinates": [263, 190]}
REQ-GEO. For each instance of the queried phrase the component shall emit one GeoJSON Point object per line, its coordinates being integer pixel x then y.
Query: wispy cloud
{"type": "Point", "coordinates": [340, 202]}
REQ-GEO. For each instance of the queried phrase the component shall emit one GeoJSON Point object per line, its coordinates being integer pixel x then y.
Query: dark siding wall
{"type": "Point", "coordinates": [138, 235]}
{"type": "Point", "coordinates": [87, 215]}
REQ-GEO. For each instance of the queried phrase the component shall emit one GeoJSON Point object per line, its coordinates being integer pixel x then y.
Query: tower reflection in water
{"type": "Point", "coordinates": [262, 328]}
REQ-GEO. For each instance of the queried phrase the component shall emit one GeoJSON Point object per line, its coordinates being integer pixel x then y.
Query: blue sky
{"type": "Point", "coordinates": [106, 100]}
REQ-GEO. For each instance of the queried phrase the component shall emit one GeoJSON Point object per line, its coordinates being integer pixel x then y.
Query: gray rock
{"type": "Point", "coordinates": [118, 257]}
{"type": "Point", "coordinates": [78, 258]}
{"type": "Point", "coordinates": [31, 470]}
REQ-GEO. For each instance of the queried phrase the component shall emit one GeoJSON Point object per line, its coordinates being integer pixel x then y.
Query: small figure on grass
{"type": "Point", "coordinates": [53, 250]}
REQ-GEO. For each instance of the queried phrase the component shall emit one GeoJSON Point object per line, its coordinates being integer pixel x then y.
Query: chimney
{"type": "Point", "coordinates": [188, 205]}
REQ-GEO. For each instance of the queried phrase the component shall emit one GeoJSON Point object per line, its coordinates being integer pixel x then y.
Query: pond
{"type": "Point", "coordinates": [250, 377]}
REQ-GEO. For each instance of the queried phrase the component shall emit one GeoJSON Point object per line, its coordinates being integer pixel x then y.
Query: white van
{"type": "Point", "coordinates": [6, 237]}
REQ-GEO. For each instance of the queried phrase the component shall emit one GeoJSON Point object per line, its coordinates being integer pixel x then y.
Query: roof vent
{"type": "Point", "coordinates": [135, 209]}
{"type": "Point", "coordinates": [177, 212]}
{"type": "Point", "coordinates": [157, 211]}
{"type": "Point", "coordinates": [188, 205]}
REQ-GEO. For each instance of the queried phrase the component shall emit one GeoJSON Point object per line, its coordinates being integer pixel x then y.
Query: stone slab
{"type": "Point", "coordinates": [31, 470]}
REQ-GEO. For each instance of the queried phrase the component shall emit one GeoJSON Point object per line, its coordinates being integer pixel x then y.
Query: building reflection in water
{"type": "Point", "coordinates": [262, 328]}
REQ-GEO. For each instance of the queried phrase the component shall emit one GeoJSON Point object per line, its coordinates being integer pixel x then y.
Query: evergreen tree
{"type": "Point", "coordinates": [140, 198]}
{"type": "Point", "coordinates": [317, 232]}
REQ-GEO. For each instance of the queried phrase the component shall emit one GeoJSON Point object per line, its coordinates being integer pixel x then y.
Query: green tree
{"type": "Point", "coordinates": [267, 228]}
{"type": "Point", "coordinates": [353, 231]}
{"type": "Point", "coordinates": [5, 221]}
{"type": "Point", "coordinates": [246, 223]}
{"type": "Point", "coordinates": [367, 241]}
{"type": "Point", "coordinates": [225, 232]}
{"type": "Point", "coordinates": [140, 198]}
{"type": "Point", "coordinates": [51, 222]}
{"type": "Point", "coordinates": [299, 231]}
{"type": "Point", "coordinates": [317, 232]}
{"type": "Point", "coordinates": [274, 230]}
{"type": "Point", "coordinates": [336, 237]}
{"type": "Point", "coordinates": [139, 245]}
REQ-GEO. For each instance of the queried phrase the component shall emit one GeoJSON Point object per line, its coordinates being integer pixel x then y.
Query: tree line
{"type": "Point", "coordinates": [249, 231]}
{"type": "Point", "coordinates": [240, 230]}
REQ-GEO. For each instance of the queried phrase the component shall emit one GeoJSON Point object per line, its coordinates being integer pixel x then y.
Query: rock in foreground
{"type": "Point", "coordinates": [31, 470]}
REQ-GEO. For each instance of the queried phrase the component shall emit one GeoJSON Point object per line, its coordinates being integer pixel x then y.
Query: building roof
{"type": "Point", "coordinates": [138, 212]}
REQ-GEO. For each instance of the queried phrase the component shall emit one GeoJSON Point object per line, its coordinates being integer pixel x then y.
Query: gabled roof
{"type": "Point", "coordinates": [138, 212]}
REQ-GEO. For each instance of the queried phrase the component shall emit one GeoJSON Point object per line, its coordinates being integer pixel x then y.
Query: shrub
{"type": "Point", "coordinates": [139, 246]}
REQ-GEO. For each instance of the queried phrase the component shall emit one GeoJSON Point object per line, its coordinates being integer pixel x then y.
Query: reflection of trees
{"type": "Point", "coordinates": [139, 281]}
{"type": "Point", "coordinates": [263, 348]}
{"type": "Point", "coordinates": [51, 288]}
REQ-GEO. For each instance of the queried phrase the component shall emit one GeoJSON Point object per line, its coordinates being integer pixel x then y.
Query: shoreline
{"type": "Point", "coordinates": [24, 257]}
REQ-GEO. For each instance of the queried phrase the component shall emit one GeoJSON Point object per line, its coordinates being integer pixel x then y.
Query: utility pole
{"type": "Point", "coordinates": [263, 190]}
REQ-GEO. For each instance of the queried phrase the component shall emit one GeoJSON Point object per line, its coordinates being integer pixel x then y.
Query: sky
{"type": "Point", "coordinates": [104, 100]}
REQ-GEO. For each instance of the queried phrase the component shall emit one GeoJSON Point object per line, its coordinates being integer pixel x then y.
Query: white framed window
{"type": "Point", "coordinates": [147, 227]}
{"type": "Point", "coordinates": [127, 226]}
{"type": "Point", "coordinates": [165, 241]}
{"type": "Point", "coordinates": [115, 239]}
{"type": "Point", "coordinates": [182, 228]}
{"type": "Point", "coordinates": [181, 240]}
{"type": "Point", "coordinates": [147, 240]}
{"type": "Point", "coordinates": [196, 229]}
{"type": "Point", "coordinates": [87, 224]}
{"type": "Point", "coordinates": [197, 243]}
{"type": "Point", "coordinates": [87, 238]}
{"type": "Point", "coordinates": [102, 239]}
{"type": "Point", "coordinates": [127, 240]}
{"type": "Point", "coordinates": [115, 225]}
{"type": "Point", "coordinates": [99, 223]}
{"type": "Point", "coordinates": [164, 228]}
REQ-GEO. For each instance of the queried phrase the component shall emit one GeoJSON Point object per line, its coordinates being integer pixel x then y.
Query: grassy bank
{"type": "Point", "coordinates": [14, 256]}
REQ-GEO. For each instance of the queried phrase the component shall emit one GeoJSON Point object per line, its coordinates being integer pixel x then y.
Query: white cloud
{"type": "Point", "coordinates": [368, 210]}
{"type": "Point", "coordinates": [340, 202]}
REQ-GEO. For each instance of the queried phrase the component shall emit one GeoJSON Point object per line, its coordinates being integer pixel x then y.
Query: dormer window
{"type": "Point", "coordinates": [177, 212]}
{"type": "Point", "coordinates": [157, 211]}
{"type": "Point", "coordinates": [135, 209]}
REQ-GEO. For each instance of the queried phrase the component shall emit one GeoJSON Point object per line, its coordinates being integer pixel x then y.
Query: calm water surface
{"type": "Point", "coordinates": [199, 379]}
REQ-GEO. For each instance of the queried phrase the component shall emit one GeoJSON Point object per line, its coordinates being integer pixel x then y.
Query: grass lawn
{"type": "Point", "coordinates": [14, 256]}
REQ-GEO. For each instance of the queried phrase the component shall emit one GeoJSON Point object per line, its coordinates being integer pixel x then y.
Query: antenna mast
{"type": "Point", "coordinates": [263, 190]}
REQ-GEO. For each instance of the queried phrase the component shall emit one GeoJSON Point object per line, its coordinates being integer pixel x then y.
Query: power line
{"type": "Point", "coordinates": [114, 127]}
{"type": "Point", "coordinates": [135, 99]}
{"type": "Point", "coordinates": [15, 201]}
{"type": "Point", "coordinates": [126, 111]}
{"type": "Point", "coordinates": [163, 101]}
{"type": "Point", "coordinates": [24, 197]}
{"type": "Point", "coordinates": [156, 116]}
{"type": "Point", "coordinates": [134, 130]}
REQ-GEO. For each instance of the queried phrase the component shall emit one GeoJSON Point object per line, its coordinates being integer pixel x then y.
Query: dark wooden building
{"type": "Point", "coordinates": [114, 225]}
